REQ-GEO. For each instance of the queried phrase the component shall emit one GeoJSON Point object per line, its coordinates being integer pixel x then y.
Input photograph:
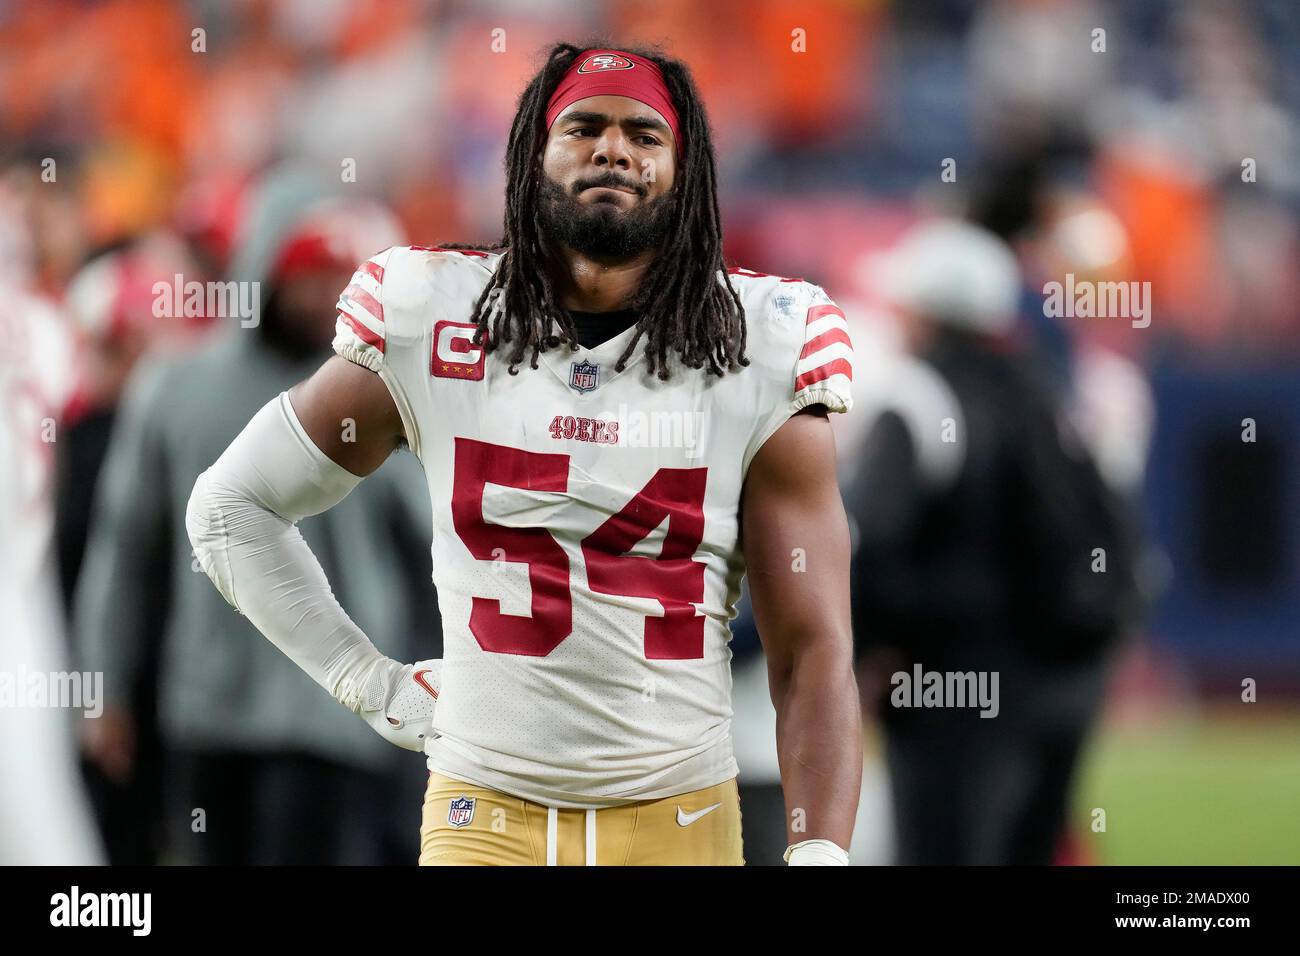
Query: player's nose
{"type": "Point", "coordinates": [613, 150]}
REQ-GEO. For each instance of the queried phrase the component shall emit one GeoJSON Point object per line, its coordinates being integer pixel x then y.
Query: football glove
{"type": "Point", "coordinates": [400, 699]}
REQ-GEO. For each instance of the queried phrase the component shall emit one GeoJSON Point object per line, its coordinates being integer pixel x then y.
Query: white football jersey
{"type": "Point", "coordinates": [586, 526]}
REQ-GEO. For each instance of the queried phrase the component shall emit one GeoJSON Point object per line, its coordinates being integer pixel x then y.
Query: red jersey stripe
{"type": "Point", "coordinates": [823, 372]}
{"type": "Point", "coordinates": [817, 311]}
{"type": "Point", "coordinates": [365, 300]}
{"type": "Point", "coordinates": [363, 333]}
{"type": "Point", "coordinates": [829, 337]}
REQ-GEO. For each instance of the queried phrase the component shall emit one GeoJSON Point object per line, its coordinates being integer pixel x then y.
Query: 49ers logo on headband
{"type": "Point", "coordinates": [454, 353]}
{"type": "Point", "coordinates": [611, 73]}
{"type": "Point", "coordinates": [604, 62]}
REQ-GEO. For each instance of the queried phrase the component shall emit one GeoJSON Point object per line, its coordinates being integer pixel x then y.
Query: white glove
{"type": "Point", "coordinates": [816, 853]}
{"type": "Point", "coordinates": [400, 699]}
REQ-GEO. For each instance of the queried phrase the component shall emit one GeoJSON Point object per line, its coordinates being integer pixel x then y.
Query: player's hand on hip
{"type": "Point", "coordinates": [404, 697]}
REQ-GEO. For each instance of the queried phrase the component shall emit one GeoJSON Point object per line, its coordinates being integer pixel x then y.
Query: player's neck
{"type": "Point", "coordinates": [588, 284]}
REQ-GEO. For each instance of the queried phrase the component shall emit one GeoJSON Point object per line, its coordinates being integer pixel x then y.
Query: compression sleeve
{"type": "Point", "coordinates": [241, 521]}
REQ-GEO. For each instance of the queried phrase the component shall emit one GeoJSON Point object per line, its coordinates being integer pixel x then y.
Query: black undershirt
{"type": "Point", "coordinates": [595, 328]}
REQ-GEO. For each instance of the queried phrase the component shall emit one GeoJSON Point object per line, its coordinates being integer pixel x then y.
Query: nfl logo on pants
{"type": "Point", "coordinates": [583, 376]}
{"type": "Point", "coordinates": [460, 811]}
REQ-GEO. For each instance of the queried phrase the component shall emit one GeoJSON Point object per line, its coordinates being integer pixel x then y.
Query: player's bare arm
{"type": "Point", "coordinates": [791, 510]}
{"type": "Point", "coordinates": [349, 415]}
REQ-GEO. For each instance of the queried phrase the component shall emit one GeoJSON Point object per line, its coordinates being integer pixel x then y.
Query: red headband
{"type": "Point", "coordinates": [611, 73]}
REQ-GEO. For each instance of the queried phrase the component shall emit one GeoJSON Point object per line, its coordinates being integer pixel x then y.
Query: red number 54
{"type": "Point", "coordinates": [674, 578]}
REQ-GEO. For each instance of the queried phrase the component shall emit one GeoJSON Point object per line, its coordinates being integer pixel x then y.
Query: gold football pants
{"type": "Point", "coordinates": [467, 825]}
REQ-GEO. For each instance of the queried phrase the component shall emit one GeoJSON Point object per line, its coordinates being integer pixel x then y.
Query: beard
{"type": "Point", "coordinates": [603, 229]}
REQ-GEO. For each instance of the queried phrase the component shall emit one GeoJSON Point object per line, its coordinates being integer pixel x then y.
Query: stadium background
{"type": "Point", "coordinates": [826, 155]}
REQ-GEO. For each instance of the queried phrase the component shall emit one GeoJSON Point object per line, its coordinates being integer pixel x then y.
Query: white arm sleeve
{"type": "Point", "coordinates": [241, 521]}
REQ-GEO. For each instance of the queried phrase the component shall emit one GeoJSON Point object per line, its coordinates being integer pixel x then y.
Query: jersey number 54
{"type": "Point", "coordinates": [674, 578]}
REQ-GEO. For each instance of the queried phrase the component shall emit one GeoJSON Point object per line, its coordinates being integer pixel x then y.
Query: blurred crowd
{"type": "Point", "coordinates": [282, 141]}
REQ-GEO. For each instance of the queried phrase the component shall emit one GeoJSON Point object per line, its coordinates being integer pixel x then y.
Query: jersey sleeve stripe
{"type": "Point", "coordinates": [352, 310]}
{"type": "Point", "coordinates": [839, 366]}
{"type": "Point", "coordinates": [830, 337]}
{"type": "Point", "coordinates": [824, 324]}
{"type": "Point", "coordinates": [360, 316]}
{"type": "Point", "coordinates": [822, 311]}
{"type": "Point", "coordinates": [374, 270]}
{"type": "Point", "coordinates": [366, 282]}
{"type": "Point", "coordinates": [355, 295]}
{"type": "Point", "coordinates": [371, 338]}
{"type": "Point", "coordinates": [827, 349]}
{"type": "Point", "coordinates": [822, 356]}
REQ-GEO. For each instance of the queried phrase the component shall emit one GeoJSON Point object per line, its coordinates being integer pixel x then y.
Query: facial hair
{"type": "Point", "coordinates": [603, 229]}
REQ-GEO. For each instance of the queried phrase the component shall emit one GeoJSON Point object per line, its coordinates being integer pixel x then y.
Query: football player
{"type": "Point", "coordinates": [615, 430]}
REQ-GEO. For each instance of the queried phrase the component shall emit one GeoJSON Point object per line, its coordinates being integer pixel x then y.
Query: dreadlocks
{"type": "Point", "coordinates": [681, 303]}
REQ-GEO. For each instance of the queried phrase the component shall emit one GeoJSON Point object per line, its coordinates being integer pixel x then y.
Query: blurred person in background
{"type": "Point", "coordinates": [44, 816]}
{"type": "Point", "coordinates": [259, 770]}
{"type": "Point", "coordinates": [977, 510]}
{"type": "Point", "coordinates": [110, 303]}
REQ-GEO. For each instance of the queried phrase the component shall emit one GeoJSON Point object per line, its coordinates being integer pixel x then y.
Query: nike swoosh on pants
{"type": "Point", "coordinates": [686, 819]}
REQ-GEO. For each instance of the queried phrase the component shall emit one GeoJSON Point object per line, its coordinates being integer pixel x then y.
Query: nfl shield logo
{"type": "Point", "coordinates": [584, 376]}
{"type": "Point", "coordinates": [460, 811]}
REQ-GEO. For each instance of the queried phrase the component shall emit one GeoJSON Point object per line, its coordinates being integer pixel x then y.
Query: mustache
{"type": "Point", "coordinates": [611, 181]}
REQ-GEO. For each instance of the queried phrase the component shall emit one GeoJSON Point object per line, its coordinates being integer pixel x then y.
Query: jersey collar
{"type": "Point", "coordinates": [605, 355]}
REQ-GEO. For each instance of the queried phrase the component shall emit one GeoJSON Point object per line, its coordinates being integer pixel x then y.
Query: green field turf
{"type": "Point", "coordinates": [1211, 789]}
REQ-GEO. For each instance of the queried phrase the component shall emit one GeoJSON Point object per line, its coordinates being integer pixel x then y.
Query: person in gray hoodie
{"type": "Point", "coordinates": [261, 769]}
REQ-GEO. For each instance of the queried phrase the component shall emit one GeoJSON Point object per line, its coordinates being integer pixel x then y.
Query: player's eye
{"type": "Point", "coordinates": [647, 140]}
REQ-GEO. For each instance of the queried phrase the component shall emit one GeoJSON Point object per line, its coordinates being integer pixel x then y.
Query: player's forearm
{"type": "Point", "coordinates": [819, 738]}
{"type": "Point", "coordinates": [241, 520]}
